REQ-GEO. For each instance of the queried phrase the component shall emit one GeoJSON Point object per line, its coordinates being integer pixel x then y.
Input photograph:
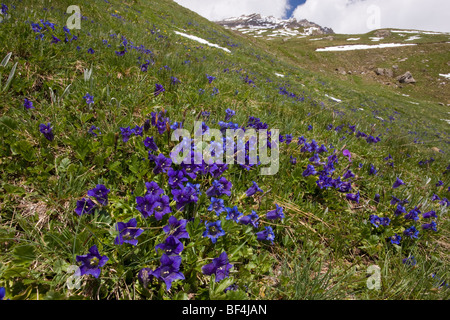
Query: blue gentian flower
{"type": "Point", "coordinates": [2, 293]}
{"type": "Point", "coordinates": [176, 178]}
{"type": "Point", "coordinates": [253, 189]}
{"type": "Point", "coordinates": [92, 262]}
{"type": "Point", "coordinates": [91, 130]}
{"type": "Point", "coordinates": [145, 276]}
{"type": "Point", "coordinates": [395, 239]}
{"type": "Point", "coordinates": [411, 232]}
{"type": "Point", "coordinates": [100, 192]}
{"type": "Point", "coordinates": [217, 205]}
{"type": "Point", "coordinates": [250, 219]}
{"type": "Point", "coordinates": [176, 228]}
{"type": "Point", "coordinates": [429, 214]}
{"type": "Point", "coordinates": [150, 143]}
{"type": "Point", "coordinates": [432, 225]}
{"type": "Point", "coordinates": [213, 230]}
{"type": "Point", "coordinates": [400, 209]}
{"type": "Point", "coordinates": [46, 130]}
{"type": "Point", "coordinates": [413, 214]}
{"type": "Point", "coordinates": [185, 195]}
{"type": "Point", "coordinates": [55, 39]}
{"type": "Point", "coordinates": [126, 133]}
{"type": "Point", "coordinates": [435, 197]}
{"type": "Point", "coordinates": [220, 267]}
{"type": "Point", "coordinates": [170, 246]}
{"type": "Point", "coordinates": [153, 188]}
{"type": "Point", "coordinates": [233, 213]}
{"type": "Point", "coordinates": [91, 51]}
{"type": "Point", "coordinates": [276, 213]}
{"type": "Point", "coordinates": [397, 183]}
{"type": "Point", "coordinates": [372, 170]}
{"type": "Point", "coordinates": [229, 114]}
{"type": "Point", "coordinates": [28, 104]}
{"type": "Point", "coordinates": [162, 164]}
{"type": "Point", "coordinates": [353, 197]}
{"type": "Point", "coordinates": [376, 199]}
{"type": "Point", "coordinates": [348, 174]}
{"type": "Point", "coordinates": [210, 78]}
{"type": "Point", "coordinates": [310, 170]}
{"type": "Point", "coordinates": [4, 9]}
{"type": "Point", "coordinates": [376, 220]}
{"type": "Point", "coordinates": [219, 187]}
{"type": "Point", "coordinates": [266, 234]}
{"type": "Point", "coordinates": [85, 206]}
{"type": "Point", "coordinates": [169, 270]}
{"type": "Point", "coordinates": [158, 89]}
{"type": "Point", "coordinates": [128, 232]}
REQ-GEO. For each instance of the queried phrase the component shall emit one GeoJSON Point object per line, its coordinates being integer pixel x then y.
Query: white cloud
{"type": "Point", "coordinates": [361, 16]}
{"type": "Point", "coordinates": [215, 10]}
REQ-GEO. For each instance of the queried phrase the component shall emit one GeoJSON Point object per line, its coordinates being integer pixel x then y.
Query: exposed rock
{"type": "Point", "coordinates": [395, 67]}
{"type": "Point", "coordinates": [382, 33]}
{"type": "Point", "coordinates": [341, 70]}
{"type": "Point", "coordinates": [384, 72]}
{"type": "Point", "coordinates": [379, 71]}
{"type": "Point", "coordinates": [406, 78]}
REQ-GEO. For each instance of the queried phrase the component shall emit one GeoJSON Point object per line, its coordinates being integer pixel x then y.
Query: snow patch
{"type": "Point", "coordinates": [365, 46]}
{"type": "Point", "coordinates": [353, 39]}
{"type": "Point", "coordinates": [279, 75]}
{"type": "Point", "coordinates": [201, 41]}
{"type": "Point", "coordinates": [334, 99]}
{"type": "Point", "coordinates": [445, 75]}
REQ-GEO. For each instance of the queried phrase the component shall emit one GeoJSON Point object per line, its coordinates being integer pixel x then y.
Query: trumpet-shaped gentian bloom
{"type": "Point", "coordinates": [372, 170]}
{"type": "Point", "coordinates": [161, 206]}
{"type": "Point", "coordinates": [310, 170]}
{"type": "Point", "coordinates": [158, 89]}
{"type": "Point", "coordinates": [91, 131]}
{"type": "Point", "coordinates": [213, 230]}
{"type": "Point", "coordinates": [353, 197]}
{"type": "Point", "coordinates": [100, 193]}
{"type": "Point", "coordinates": [395, 239]}
{"type": "Point", "coordinates": [145, 276]}
{"type": "Point", "coordinates": [150, 143]}
{"type": "Point", "coordinates": [266, 234]}
{"type": "Point", "coordinates": [126, 133]}
{"type": "Point", "coordinates": [169, 270]}
{"type": "Point", "coordinates": [2, 293]}
{"type": "Point", "coordinates": [348, 174]}
{"type": "Point", "coordinates": [250, 219]}
{"type": "Point", "coordinates": [397, 183]}
{"type": "Point", "coordinates": [229, 114]}
{"type": "Point", "coordinates": [253, 189]}
{"type": "Point", "coordinates": [185, 195]}
{"type": "Point", "coordinates": [46, 130]}
{"type": "Point", "coordinates": [219, 187]}
{"type": "Point", "coordinates": [348, 154]}
{"type": "Point", "coordinates": [379, 221]}
{"type": "Point", "coordinates": [153, 188]}
{"type": "Point", "coordinates": [128, 232]}
{"type": "Point", "coordinates": [85, 206]}
{"type": "Point", "coordinates": [176, 178]}
{"type": "Point", "coordinates": [92, 262]}
{"type": "Point", "coordinates": [233, 213]}
{"type": "Point", "coordinates": [411, 232]}
{"type": "Point", "coordinates": [431, 226]}
{"type": "Point", "coordinates": [217, 205]}
{"type": "Point", "coordinates": [170, 246]}
{"type": "Point", "coordinates": [276, 213]}
{"type": "Point", "coordinates": [176, 228]}
{"type": "Point", "coordinates": [400, 209]}
{"type": "Point", "coordinates": [28, 104]}
{"type": "Point", "coordinates": [429, 214]}
{"type": "Point", "coordinates": [220, 267]}
{"type": "Point", "coordinates": [413, 214]}
{"type": "Point", "coordinates": [162, 164]}
{"type": "Point", "coordinates": [210, 78]}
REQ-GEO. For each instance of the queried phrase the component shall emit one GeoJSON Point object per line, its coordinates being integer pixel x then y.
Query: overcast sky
{"type": "Point", "coordinates": [343, 16]}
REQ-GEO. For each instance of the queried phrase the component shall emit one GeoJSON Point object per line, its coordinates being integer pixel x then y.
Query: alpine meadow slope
{"type": "Point", "coordinates": [95, 96]}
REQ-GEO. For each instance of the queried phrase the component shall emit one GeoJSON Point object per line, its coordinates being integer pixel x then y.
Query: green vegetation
{"type": "Point", "coordinates": [104, 78]}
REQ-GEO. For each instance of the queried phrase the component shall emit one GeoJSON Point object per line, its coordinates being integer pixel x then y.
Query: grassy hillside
{"type": "Point", "coordinates": [86, 120]}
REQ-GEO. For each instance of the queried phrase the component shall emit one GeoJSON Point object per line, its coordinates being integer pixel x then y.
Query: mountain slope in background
{"type": "Point", "coordinates": [268, 26]}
